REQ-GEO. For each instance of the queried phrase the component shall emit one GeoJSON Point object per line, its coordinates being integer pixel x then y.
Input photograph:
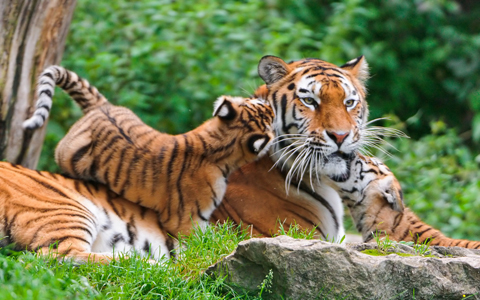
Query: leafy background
{"type": "Point", "coordinates": [169, 60]}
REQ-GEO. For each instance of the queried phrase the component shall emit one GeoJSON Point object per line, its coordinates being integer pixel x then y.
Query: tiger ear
{"type": "Point", "coordinates": [271, 69]}
{"type": "Point", "coordinates": [358, 67]}
{"type": "Point", "coordinates": [224, 108]}
{"type": "Point", "coordinates": [258, 142]}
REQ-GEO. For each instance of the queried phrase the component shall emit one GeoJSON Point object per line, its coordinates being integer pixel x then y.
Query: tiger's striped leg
{"type": "Point", "coordinates": [76, 256]}
{"type": "Point", "coordinates": [76, 247]}
{"type": "Point", "coordinates": [409, 227]}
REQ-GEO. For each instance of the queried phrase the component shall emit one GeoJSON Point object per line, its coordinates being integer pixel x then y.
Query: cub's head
{"type": "Point", "coordinates": [320, 111]}
{"type": "Point", "coordinates": [246, 127]}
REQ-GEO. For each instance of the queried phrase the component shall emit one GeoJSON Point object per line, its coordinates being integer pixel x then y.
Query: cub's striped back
{"type": "Point", "coordinates": [52, 214]}
{"type": "Point", "coordinates": [375, 199]}
{"type": "Point", "coordinates": [183, 177]}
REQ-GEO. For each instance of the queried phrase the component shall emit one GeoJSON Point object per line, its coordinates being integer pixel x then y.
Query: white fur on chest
{"type": "Point", "coordinates": [111, 234]}
{"type": "Point", "coordinates": [331, 216]}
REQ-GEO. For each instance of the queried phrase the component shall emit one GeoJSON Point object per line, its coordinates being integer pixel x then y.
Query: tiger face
{"type": "Point", "coordinates": [320, 111]}
{"type": "Point", "coordinates": [249, 122]}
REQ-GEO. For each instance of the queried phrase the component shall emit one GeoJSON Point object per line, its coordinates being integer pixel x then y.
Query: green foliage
{"type": "Point", "coordinates": [169, 60]}
{"type": "Point", "coordinates": [385, 246]}
{"type": "Point", "coordinates": [266, 285]}
{"type": "Point", "coordinates": [295, 231]}
{"type": "Point", "coordinates": [384, 243]}
{"type": "Point", "coordinates": [27, 277]}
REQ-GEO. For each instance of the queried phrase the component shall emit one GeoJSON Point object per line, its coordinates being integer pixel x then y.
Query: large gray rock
{"type": "Point", "coordinates": [312, 269]}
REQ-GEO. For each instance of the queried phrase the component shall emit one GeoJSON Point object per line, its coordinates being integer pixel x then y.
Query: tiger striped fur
{"type": "Point", "coordinates": [182, 177]}
{"type": "Point", "coordinates": [64, 217]}
{"type": "Point", "coordinates": [320, 122]}
{"type": "Point", "coordinates": [375, 199]}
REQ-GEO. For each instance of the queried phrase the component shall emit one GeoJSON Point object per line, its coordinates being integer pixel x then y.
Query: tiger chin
{"type": "Point", "coordinates": [375, 199]}
{"type": "Point", "coordinates": [181, 177]}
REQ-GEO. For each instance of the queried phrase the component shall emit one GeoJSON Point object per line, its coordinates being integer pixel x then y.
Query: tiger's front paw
{"type": "Point", "coordinates": [389, 189]}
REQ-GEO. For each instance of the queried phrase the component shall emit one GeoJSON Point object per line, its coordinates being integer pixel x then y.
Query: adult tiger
{"type": "Point", "coordinates": [320, 123]}
{"type": "Point", "coordinates": [375, 199]}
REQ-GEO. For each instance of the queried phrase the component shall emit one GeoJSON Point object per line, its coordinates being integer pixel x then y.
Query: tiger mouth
{"type": "Point", "coordinates": [348, 157]}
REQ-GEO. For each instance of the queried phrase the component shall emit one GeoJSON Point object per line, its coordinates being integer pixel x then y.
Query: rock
{"type": "Point", "coordinates": [313, 269]}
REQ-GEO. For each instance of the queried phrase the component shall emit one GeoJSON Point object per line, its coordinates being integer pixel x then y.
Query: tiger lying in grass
{"type": "Point", "coordinates": [52, 214]}
{"type": "Point", "coordinates": [375, 199]}
{"type": "Point", "coordinates": [246, 207]}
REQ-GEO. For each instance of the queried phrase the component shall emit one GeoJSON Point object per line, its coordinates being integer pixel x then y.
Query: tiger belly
{"type": "Point", "coordinates": [126, 228]}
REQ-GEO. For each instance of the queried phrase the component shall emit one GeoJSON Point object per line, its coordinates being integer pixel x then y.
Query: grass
{"type": "Point", "coordinates": [376, 252]}
{"type": "Point", "coordinates": [26, 276]}
{"type": "Point", "coordinates": [385, 246]}
{"type": "Point", "coordinates": [23, 275]}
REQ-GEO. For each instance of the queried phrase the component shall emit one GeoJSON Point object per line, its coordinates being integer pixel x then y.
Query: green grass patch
{"type": "Point", "coordinates": [24, 275]}
{"type": "Point", "coordinates": [376, 252]}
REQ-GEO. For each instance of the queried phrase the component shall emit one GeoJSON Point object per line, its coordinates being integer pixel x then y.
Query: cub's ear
{"type": "Point", "coordinates": [271, 69]}
{"type": "Point", "coordinates": [258, 142]}
{"type": "Point", "coordinates": [358, 67]}
{"type": "Point", "coordinates": [224, 108]}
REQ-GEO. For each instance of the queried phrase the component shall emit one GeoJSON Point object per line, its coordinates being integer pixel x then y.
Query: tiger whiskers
{"type": "Point", "coordinates": [305, 159]}
{"type": "Point", "coordinates": [286, 150]}
{"type": "Point", "coordinates": [293, 170]}
{"type": "Point", "coordinates": [373, 137]}
{"type": "Point", "coordinates": [290, 154]}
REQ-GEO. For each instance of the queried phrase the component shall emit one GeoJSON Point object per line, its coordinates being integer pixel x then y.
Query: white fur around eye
{"type": "Point", "coordinates": [257, 144]}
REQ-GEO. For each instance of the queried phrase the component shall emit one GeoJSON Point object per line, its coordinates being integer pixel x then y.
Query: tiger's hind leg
{"type": "Point", "coordinates": [73, 242]}
{"type": "Point", "coordinates": [79, 252]}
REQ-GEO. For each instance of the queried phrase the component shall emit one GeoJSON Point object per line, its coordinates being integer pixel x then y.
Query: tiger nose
{"type": "Point", "coordinates": [337, 137]}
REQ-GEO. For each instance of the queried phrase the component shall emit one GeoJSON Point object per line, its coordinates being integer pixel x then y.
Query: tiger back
{"type": "Point", "coordinates": [182, 177]}
{"type": "Point", "coordinates": [68, 218]}
{"type": "Point", "coordinates": [375, 200]}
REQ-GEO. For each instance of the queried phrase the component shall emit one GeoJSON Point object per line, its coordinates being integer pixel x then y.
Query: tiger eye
{"type": "Point", "coordinates": [349, 103]}
{"type": "Point", "coordinates": [309, 101]}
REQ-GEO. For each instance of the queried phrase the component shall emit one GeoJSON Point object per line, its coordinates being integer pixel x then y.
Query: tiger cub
{"type": "Point", "coordinates": [52, 214]}
{"type": "Point", "coordinates": [375, 199]}
{"type": "Point", "coordinates": [182, 177]}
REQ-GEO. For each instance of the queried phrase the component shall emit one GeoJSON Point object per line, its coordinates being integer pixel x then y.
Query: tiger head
{"type": "Point", "coordinates": [320, 112]}
{"type": "Point", "coordinates": [246, 125]}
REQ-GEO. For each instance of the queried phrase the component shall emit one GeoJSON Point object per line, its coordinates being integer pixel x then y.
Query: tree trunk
{"type": "Point", "coordinates": [32, 37]}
